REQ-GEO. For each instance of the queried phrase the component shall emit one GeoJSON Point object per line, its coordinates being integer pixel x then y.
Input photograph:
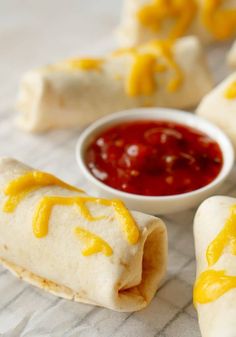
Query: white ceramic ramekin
{"type": "Point", "coordinates": [159, 204]}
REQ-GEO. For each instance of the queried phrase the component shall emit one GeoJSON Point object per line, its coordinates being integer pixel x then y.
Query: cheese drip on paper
{"type": "Point", "coordinates": [154, 15]}
{"type": "Point", "coordinates": [230, 92]}
{"type": "Point", "coordinates": [148, 60]}
{"type": "Point", "coordinates": [211, 284]}
{"type": "Point", "coordinates": [219, 21]}
{"type": "Point", "coordinates": [20, 187]}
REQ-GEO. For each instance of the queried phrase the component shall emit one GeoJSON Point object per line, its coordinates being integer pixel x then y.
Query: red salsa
{"type": "Point", "coordinates": [154, 158]}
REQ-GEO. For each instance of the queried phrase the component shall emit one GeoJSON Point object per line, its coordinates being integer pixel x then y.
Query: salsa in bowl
{"type": "Point", "coordinates": [156, 160]}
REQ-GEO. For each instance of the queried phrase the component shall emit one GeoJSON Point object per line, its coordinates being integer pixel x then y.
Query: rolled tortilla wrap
{"type": "Point", "coordinates": [209, 20]}
{"type": "Point", "coordinates": [215, 287]}
{"type": "Point", "coordinates": [85, 249]}
{"type": "Point", "coordinates": [219, 106]}
{"type": "Point", "coordinates": [76, 92]}
{"type": "Point", "coordinates": [231, 57]}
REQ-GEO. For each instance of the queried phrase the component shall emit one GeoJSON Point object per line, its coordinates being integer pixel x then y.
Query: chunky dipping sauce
{"type": "Point", "coordinates": [154, 158]}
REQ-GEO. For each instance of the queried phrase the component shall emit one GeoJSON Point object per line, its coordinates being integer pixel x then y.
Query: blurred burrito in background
{"type": "Point", "coordinates": [76, 92]}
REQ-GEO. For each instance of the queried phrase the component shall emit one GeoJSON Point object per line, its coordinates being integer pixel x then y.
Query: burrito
{"type": "Point", "coordinates": [143, 20]}
{"type": "Point", "coordinates": [75, 92]}
{"type": "Point", "coordinates": [231, 57]}
{"type": "Point", "coordinates": [78, 247]}
{"type": "Point", "coordinates": [219, 107]}
{"type": "Point", "coordinates": [215, 286]}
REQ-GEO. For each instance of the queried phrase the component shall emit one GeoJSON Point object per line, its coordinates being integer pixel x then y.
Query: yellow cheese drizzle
{"type": "Point", "coordinates": [45, 206]}
{"type": "Point", "coordinates": [20, 187]}
{"type": "Point", "coordinates": [141, 79]}
{"type": "Point", "coordinates": [220, 22]}
{"type": "Point", "coordinates": [44, 209]}
{"type": "Point", "coordinates": [212, 284]}
{"type": "Point", "coordinates": [230, 92]}
{"type": "Point", "coordinates": [227, 237]}
{"type": "Point", "coordinates": [154, 15]}
{"type": "Point", "coordinates": [85, 64]}
{"type": "Point", "coordinates": [149, 59]}
{"type": "Point", "coordinates": [126, 220]}
{"type": "Point", "coordinates": [164, 49]}
{"type": "Point", "coordinates": [93, 243]}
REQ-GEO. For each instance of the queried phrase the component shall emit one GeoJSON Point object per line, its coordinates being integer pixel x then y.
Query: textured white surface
{"type": "Point", "coordinates": [37, 32]}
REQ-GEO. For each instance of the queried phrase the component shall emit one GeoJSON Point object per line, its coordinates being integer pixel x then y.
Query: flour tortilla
{"type": "Point", "coordinates": [220, 110]}
{"type": "Point", "coordinates": [217, 318]}
{"type": "Point", "coordinates": [125, 281]}
{"type": "Point", "coordinates": [55, 97]}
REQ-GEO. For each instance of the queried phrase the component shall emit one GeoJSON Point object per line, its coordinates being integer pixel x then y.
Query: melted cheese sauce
{"type": "Point", "coordinates": [45, 206]}
{"type": "Point", "coordinates": [212, 284]}
{"type": "Point", "coordinates": [141, 79]}
{"type": "Point", "coordinates": [148, 60]}
{"type": "Point", "coordinates": [154, 15]}
{"type": "Point", "coordinates": [20, 187]}
{"type": "Point", "coordinates": [86, 64]}
{"type": "Point", "coordinates": [226, 238]}
{"type": "Point", "coordinates": [220, 22]}
{"type": "Point", "coordinates": [127, 222]}
{"type": "Point", "coordinates": [93, 243]}
{"type": "Point", "coordinates": [230, 92]}
{"type": "Point", "coordinates": [43, 212]}
{"type": "Point", "coordinates": [163, 49]}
